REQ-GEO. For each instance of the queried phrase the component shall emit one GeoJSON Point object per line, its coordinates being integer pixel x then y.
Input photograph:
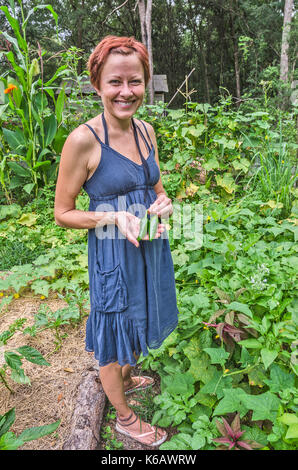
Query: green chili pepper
{"type": "Point", "coordinates": [153, 226]}
{"type": "Point", "coordinates": [143, 227]}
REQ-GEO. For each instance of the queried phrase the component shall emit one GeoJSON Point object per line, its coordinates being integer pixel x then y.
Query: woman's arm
{"type": "Point", "coordinates": [73, 171]}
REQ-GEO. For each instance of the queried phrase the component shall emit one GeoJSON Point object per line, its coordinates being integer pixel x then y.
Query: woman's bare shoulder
{"type": "Point", "coordinates": [80, 139]}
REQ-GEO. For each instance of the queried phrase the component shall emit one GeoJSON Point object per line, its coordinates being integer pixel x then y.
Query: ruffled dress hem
{"type": "Point", "coordinates": [127, 339]}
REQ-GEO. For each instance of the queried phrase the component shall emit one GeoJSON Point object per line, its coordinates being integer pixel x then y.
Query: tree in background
{"type": "Point", "coordinates": [145, 13]}
{"type": "Point", "coordinates": [284, 58]}
{"type": "Point", "coordinates": [234, 45]}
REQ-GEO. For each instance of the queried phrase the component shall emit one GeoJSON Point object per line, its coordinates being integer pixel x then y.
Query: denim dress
{"type": "Point", "coordinates": [133, 303]}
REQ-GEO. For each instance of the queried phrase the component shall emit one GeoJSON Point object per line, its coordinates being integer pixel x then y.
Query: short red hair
{"type": "Point", "coordinates": [116, 45]}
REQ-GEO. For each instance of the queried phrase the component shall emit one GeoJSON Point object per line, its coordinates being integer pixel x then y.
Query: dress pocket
{"type": "Point", "coordinates": [109, 290]}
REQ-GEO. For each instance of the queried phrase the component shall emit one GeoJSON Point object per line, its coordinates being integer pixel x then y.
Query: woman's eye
{"type": "Point", "coordinates": [114, 82]}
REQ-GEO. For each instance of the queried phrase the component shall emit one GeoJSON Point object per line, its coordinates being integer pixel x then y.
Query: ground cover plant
{"type": "Point", "coordinates": [228, 373]}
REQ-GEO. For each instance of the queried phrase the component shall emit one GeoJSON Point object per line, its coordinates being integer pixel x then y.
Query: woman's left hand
{"type": "Point", "coordinates": [162, 206]}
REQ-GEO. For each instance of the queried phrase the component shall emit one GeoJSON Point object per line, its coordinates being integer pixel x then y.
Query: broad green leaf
{"type": "Point", "coordinates": [197, 130]}
{"type": "Point", "coordinates": [200, 367]}
{"type": "Point", "coordinates": [288, 419]}
{"type": "Point", "coordinates": [217, 355]}
{"type": "Point", "coordinates": [181, 384]}
{"type": "Point", "coordinates": [50, 128]}
{"type": "Point", "coordinates": [264, 406]}
{"type": "Point", "coordinates": [226, 182]}
{"type": "Point", "coordinates": [28, 219]}
{"type": "Point", "coordinates": [250, 343]}
{"type": "Point", "coordinates": [15, 26]}
{"type": "Point", "coordinates": [179, 441]}
{"type": "Point", "coordinates": [19, 376]}
{"type": "Point", "coordinates": [3, 108]}
{"type": "Point", "coordinates": [39, 431]}
{"type": "Point", "coordinates": [217, 384]}
{"type": "Point", "coordinates": [60, 105]}
{"type": "Point", "coordinates": [42, 165]}
{"type": "Point", "coordinates": [17, 68]}
{"type": "Point", "coordinates": [268, 357]}
{"type": "Point", "coordinates": [225, 142]}
{"type": "Point", "coordinates": [9, 441]}
{"type": "Point", "coordinates": [13, 360]}
{"type": "Point", "coordinates": [7, 420]}
{"type": "Point", "coordinates": [280, 379]}
{"type": "Point", "coordinates": [231, 402]}
{"type": "Point", "coordinates": [28, 187]}
{"type": "Point", "coordinates": [12, 210]}
{"type": "Point", "coordinates": [205, 399]}
{"type": "Point", "coordinates": [197, 441]}
{"type": "Point", "coordinates": [19, 169]}
{"type": "Point", "coordinates": [211, 164]}
{"type": "Point", "coordinates": [32, 355]}
{"type": "Point", "coordinates": [176, 114]}
{"type": "Point", "coordinates": [254, 433]}
{"type": "Point", "coordinates": [292, 432]}
{"type": "Point", "coordinates": [200, 299]}
{"type": "Point", "coordinates": [15, 139]}
{"type": "Point", "coordinates": [239, 307]}
{"type": "Point", "coordinates": [242, 164]}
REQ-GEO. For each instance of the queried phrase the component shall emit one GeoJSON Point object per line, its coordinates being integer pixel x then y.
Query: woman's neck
{"type": "Point", "coordinates": [118, 126]}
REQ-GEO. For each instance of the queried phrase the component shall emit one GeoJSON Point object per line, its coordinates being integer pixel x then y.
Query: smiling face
{"type": "Point", "coordinates": [122, 85]}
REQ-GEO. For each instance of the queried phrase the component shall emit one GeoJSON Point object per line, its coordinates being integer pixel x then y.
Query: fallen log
{"type": "Point", "coordinates": [88, 413]}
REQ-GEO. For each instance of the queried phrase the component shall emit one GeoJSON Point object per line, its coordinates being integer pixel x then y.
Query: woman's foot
{"type": "Point", "coordinates": [137, 383]}
{"type": "Point", "coordinates": [132, 426]}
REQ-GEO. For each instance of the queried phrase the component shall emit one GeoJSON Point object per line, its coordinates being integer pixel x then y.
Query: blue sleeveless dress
{"type": "Point", "coordinates": [132, 290]}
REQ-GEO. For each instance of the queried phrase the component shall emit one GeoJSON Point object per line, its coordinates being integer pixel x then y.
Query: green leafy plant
{"type": "Point", "coordinates": [12, 359]}
{"type": "Point", "coordinates": [49, 319]}
{"type": "Point", "coordinates": [9, 441]}
{"type": "Point", "coordinates": [231, 435]}
{"type": "Point", "coordinates": [33, 142]}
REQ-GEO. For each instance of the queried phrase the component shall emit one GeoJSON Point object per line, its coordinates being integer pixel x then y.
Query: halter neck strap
{"type": "Point", "coordinates": [104, 123]}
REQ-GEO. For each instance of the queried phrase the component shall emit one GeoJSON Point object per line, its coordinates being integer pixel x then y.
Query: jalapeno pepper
{"type": "Point", "coordinates": [143, 227]}
{"type": "Point", "coordinates": [153, 226]}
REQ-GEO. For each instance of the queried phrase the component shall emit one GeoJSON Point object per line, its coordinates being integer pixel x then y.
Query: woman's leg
{"type": "Point", "coordinates": [112, 381]}
{"type": "Point", "coordinates": [126, 374]}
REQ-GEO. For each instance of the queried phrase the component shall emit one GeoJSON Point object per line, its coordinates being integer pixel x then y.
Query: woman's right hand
{"type": "Point", "coordinates": [129, 226]}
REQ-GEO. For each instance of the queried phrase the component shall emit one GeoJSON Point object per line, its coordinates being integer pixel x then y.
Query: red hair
{"type": "Point", "coordinates": [116, 45]}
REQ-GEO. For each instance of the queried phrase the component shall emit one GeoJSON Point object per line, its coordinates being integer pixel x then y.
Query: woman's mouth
{"type": "Point", "coordinates": [124, 104]}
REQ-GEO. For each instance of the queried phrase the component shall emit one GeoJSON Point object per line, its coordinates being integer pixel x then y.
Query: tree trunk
{"type": "Point", "coordinates": [284, 60]}
{"type": "Point", "coordinates": [80, 37]}
{"type": "Point", "coordinates": [145, 12]}
{"type": "Point", "coordinates": [236, 59]}
{"type": "Point", "coordinates": [205, 68]}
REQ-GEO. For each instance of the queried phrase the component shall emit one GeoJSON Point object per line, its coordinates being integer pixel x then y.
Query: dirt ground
{"type": "Point", "coordinates": [53, 390]}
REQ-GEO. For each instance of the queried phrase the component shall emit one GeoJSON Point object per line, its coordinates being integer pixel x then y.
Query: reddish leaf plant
{"type": "Point", "coordinates": [231, 436]}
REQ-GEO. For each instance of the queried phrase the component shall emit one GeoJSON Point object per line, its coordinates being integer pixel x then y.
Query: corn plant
{"type": "Point", "coordinates": [33, 141]}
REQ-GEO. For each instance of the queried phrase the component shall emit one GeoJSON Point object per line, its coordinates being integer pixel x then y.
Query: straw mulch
{"type": "Point", "coordinates": [53, 390]}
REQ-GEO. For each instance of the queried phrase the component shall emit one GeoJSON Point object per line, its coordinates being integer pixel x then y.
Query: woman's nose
{"type": "Point", "coordinates": [126, 91]}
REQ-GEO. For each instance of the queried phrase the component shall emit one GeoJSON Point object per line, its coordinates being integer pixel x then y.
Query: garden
{"type": "Point", "coordinates": [227, 375]}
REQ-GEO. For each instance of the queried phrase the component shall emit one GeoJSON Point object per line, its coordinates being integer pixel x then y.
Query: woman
{"type": "Point", "coordinates": [132, 287]}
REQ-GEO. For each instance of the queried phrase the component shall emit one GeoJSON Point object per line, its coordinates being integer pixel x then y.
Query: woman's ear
{"type": "Point", "coordinates": [97, 92]}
